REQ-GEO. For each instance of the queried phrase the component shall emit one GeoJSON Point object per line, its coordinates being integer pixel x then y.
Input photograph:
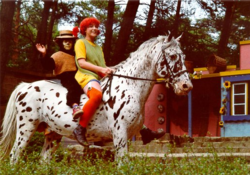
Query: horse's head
{"type": "Point", "coordinates": [170, 65]}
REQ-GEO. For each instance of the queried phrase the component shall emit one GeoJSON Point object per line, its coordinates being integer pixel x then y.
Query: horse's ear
{"type": "Point", "coordinates": [179, 37]}
{"type": "Point", "coordinates": [169, 36]}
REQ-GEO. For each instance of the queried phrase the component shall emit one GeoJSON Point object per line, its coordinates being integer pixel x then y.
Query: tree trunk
{"type": "Point", "coordinates": [149, 20]}
{"type": "Point", "coordinates": [226, 30]}
{"type": "Point", "coordinates": [177, 17]}
{"type": "Point", "coordinates": [51, 25]}
{"type": "Point", "coordinates": [109, 31]}
{"type": "Point", "coordinates": [6, 17]}
{"type": "Point", "coordinates": [41, 36]}
{"type": "Point", "coordinates": [125, 31]}
{"type": "Point", "coordinates": [16, 33]}
{"type": "Point", "coordinates": [42, 30]}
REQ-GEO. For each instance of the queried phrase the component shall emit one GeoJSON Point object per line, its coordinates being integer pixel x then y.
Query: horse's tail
{"type": "Point", "coordinates": [9, 124]}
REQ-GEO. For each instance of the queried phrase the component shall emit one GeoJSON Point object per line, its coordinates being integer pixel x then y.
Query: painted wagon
{"type": "Point", "coordinates": [218, 105]}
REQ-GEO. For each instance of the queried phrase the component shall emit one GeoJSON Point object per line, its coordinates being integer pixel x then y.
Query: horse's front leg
{"type": "Point", "coordinates": [51, 143]}
{"type": "Point", "coordinates": [120, 140]}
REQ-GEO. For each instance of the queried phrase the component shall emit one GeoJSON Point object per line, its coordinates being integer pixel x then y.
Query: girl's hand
{"type": "Point", "coordinates": [41, 48]}
{"type": "Point", "coordinates": [106, 71]}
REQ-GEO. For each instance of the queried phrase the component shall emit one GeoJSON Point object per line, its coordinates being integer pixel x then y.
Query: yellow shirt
{"type": "Point", "coordinates": [94, 56]}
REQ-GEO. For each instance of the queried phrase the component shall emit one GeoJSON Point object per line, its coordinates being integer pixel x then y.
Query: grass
{"type": "Point", "coordinates": [63, 164]}
{"type": "Point", "coordinates": [134, 166]}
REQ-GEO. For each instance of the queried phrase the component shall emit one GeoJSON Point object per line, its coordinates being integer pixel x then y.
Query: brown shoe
{"type": "Point", "coordinates": [77, 112]}
{"type": "Point", "coordinates": [79, 134]}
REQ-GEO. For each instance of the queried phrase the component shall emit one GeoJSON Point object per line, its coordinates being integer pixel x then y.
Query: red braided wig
{"type": "Point", "coordinates": [85, 24]}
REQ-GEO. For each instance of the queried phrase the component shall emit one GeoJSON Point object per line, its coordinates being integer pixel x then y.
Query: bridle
{"type": "Point", "coordinates": [171, 79]}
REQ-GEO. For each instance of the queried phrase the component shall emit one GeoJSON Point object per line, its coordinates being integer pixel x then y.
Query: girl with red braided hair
{"type": "Point", "coordinates": [91, 68]}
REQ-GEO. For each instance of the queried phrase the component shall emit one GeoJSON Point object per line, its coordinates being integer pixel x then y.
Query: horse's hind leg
{"type": "Point", "coordinates": [52, 142]}
{"type": "Point", "coordinates": [24, 133]}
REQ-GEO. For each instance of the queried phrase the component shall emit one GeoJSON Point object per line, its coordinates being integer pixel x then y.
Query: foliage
{"type": "Point", "coordinates": [200, 38]}
{"type": "Point", "coordinates": [133, 165]}
{"type": "Point", "coordinates": [36, 143]}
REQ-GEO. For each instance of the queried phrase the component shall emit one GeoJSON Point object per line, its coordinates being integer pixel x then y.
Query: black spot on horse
{"type": "Point", "coordinates": [111, 101]}
{"type": "Point", "coordinates": [23, 111]}
{"type": "Point", "coordinates": [65, 112]}
{"type": "Point", "coordinates": [21, 125]}
{"type": "Point", "coordinates": [128, 101]}
{"type": "Point", "coordinates": [164, 73]}
{"type": "Point", "coordinates": [57, 94]}
{"type": "Point", "coordinates": [18, 94]}
{"type": "Point", "coordinates": [21, 118]}
{"type": "Point", "coordinates": [30, 120]}
{"type": "Point", "coordinates": [66, 126]}
{"type": "Point", "coordinates": [59, 102]}
{"type": "Point", "coordinates": [19, 143]}
{"type": "Point", "coordinates": [37, 89]}
{"type": "Point", "coordinates": [21, 133]}
{"type": "Point", "coordinates": [115, 123]}
{"type": "Point", "coordinates": [118, 127]}
{"type": "Point", "coordinates": [24, 104]}
{"type": "Point", "coordinates": [116, 114]}
{"type": "Point", "coordinates": [51, 89]}
{"type": "Point", "coordinates": [28, 109]}
{"type": "Point", "coordinates": [22, 96]}
{"type": "Point", "coordinates": [123, 94]}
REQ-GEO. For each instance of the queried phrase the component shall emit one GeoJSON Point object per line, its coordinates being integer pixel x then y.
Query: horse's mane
{"type": "Point", "coordinates": [142, 49]}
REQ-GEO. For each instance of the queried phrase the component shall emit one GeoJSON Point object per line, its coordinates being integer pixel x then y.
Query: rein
{"type": "Point", "coordinates": [170, 80]}
{"type": "Point", "coordinates": [134, 78]}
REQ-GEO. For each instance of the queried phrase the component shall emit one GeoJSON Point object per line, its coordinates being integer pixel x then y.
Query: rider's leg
{"type": "Point", "coordinates": [94, 92]}
{"type": "Point", "coordinates": [73, 96]}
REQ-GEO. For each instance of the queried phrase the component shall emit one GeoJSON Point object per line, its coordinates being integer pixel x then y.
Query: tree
{"type": "Point", "coordinates": [109, 31]}
{"type": "Point", "coordinates": [149, 20]}
{"type": "Point", "coordinates": [42, 30]}
{"type": "Point", "coordinates": [126, 27]}
{"type": "Point", "coordinates": [16, 51]}
{"type": "Point", "coordinates": [226, 29]}
{"type": "Point", "coordinates": [51, 24]}
{"type": "Point", "coordinates": [6, 15]}
{"type": "Point", "coordinates": [177, 17]}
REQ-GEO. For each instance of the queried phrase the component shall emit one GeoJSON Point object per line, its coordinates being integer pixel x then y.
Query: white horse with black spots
{"type": "Point", "coordinates": [119, 117]}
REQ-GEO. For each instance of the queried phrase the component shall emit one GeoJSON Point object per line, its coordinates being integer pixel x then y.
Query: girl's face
{"type": "Point", "coordinates": [92, 31]}
{"type": "Point", "coordinates": [67, 44]}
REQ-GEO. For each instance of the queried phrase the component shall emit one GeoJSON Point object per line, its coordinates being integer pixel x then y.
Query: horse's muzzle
{"type": "Point", "coordinates": [183, 87]}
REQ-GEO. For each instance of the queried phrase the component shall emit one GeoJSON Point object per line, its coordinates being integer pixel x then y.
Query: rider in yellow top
{"type": "Point", "coordinates": [91, 68]}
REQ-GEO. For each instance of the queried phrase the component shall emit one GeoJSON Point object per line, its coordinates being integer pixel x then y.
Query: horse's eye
{"type": "Point", "coordinates": [173, 57]}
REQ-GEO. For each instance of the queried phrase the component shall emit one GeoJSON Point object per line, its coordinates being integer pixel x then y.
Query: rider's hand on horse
{"type": "Point", "coordinates": [41, 48]}
{"type": "Point", "coordinates": [106, 71]}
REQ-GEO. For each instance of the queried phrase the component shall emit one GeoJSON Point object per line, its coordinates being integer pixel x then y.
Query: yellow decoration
{"type": "Point", "coordinates": [221, 123]}
{"type": "Point", "coordinates": [222, 110]}
{"type": "Point", "coordinates": [224, 100]}
{"type": "Point", "coordinates": [227, 84]}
